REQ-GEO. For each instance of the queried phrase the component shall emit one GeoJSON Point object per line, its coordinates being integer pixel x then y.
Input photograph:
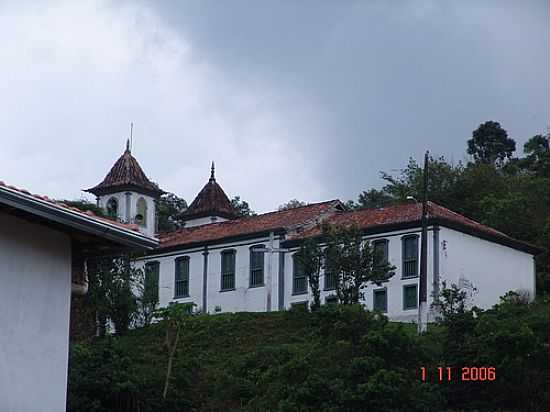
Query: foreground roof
{"type": "Point", "coordinates": [126, 174]}
{"type": "Point", "coordinates": [86, 226]}
{"type": "Point", "coordinates": [211, 201]}
{"type": "Point", "coordinates": [304, 222]}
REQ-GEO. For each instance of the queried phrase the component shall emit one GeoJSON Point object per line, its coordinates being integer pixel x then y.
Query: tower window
{"type": "Point", "coordinates": [141, 215]}
{"type": "Point", "coordinates": [112, 208]}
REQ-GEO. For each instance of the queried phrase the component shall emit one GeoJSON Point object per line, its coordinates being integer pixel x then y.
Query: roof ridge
{"type": "Point", "coordinates": [243, 218]}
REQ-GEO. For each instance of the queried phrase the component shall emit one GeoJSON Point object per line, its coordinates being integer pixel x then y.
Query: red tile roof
{"type": "Point", "coordinates": [411, 214]}
{"type": "Point", "coordinates": [397, 214]}
{"type": "Point", "coordinates": [303, 222]}
{"type": "Point", "coordinates": [211, 201]}
{"type": "Point", "coordinates": [125, 173]}
{"type": "Point", "coordinates": [286, 219]}
{"type": "Point", "coordinates": [63, 206]}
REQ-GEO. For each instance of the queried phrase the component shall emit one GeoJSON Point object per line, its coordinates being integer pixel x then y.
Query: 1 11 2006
{"type": "Point", "coordinates": [462, 374]}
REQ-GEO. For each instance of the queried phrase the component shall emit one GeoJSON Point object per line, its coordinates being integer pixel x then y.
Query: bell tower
{"type": "Point", "coordinates": [127, 195]}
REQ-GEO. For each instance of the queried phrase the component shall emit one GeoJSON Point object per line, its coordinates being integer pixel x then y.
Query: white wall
{"type": "Point", "coordinates": [35, 266]}
{"type": "Point", "coordinates": [128, 215]}
{"type": "Point", "coordinates": [243, 298]}
{"type": "Point", "coordinates": [491, 268]}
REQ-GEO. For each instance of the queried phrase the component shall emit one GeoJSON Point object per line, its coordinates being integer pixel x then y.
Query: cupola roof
{"type": "Point", "coordinates": [211, 201]}
{"type": "Point", "coordinates": [126, 174]}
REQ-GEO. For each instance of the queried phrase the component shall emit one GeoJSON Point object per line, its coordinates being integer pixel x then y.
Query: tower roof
{"type": "Point", "coordinates": [211, 201]}
{"type": "Point", "coordinates": [126, 174]}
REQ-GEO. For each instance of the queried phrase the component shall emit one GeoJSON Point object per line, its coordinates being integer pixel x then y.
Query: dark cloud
{"type": "Point", "coordinates": [306, 100]}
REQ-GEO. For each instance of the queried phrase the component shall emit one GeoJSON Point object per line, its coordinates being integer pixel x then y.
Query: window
{"type": "Point", "coordinates": [380, 249]}
{"type": "Point", "coordinates": [151, 281]}
{"type": "Point", "coordinates": [181, 283]}
{"type": "Point", "coordinates": [256, 266]}
{"type": "Point", "coordinates": [380, 300]}
{"type": "Point", "coordinates": [141, 215]}
{"type": "Point", "coordinates": [299, 279]}
{"type": "Point", "coordinates": [410, 256]}
{"type": "Point", "coordinates": [228, 270]}
{"type": "Point", "coordinates": [410, 297]}
{"type": "Point", "coordinates": [330, 281]}
{"type": "Point", "coordinates": [112, 208]}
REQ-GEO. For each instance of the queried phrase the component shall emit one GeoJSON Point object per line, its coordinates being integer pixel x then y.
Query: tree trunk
{"type": "Point", "coordinates": [170, 362]}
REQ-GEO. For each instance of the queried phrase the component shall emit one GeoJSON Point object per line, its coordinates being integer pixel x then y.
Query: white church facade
{"type": "Point", "coordinates": [225, 263]}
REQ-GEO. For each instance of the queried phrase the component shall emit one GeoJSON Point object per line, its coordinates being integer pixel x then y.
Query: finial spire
{"type": "Point", "coordinates": [212, 170]}
{"type": "Point", "coordinates": [127, 145]}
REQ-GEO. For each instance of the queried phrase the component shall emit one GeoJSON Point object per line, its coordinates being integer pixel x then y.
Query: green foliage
{"type": "Point", "coordinates": [310, 258]}
{"type": "Point", "coordinates": [339, 358]}
{"type": "Point", "coordinates": [170, 212]}
{"type": "Point", "coordinates": [350, 259]}
{"type": "Point", "coordinates": [85, 206]}
{"type": "Point", "coordinates": [292, 204]}
{"type": "Point", "coordinates": [490, 144]}
{"type": "Point", "coordinates": [112, 282]}
{"type": "Point", "coordinates": [242, 207]}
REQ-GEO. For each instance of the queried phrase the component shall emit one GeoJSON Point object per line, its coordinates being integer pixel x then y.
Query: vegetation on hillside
{"type": "Point", "coordinates": [339, 358]}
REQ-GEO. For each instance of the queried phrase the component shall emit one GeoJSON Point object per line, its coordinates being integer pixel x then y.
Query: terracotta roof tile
{"type": "Point", "coordinates": [305, 222]}
{"type": "Point", "coordinates": [411, 213]}
{"type": "Point", "coordinates": [125, 173]}
{"type": "Point", "coordinates": [286, 219]}
{"type": "Point", "coordinates": [63, 206]}
{"type": "Point", "coordinates": [211, 201]}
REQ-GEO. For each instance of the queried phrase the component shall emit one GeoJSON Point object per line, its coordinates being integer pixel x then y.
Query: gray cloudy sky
{"type": "Point", "coordinates": [306, 100]}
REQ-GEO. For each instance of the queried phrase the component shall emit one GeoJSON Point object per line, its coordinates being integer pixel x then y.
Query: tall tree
{"type": "Point", "coordinates": [242, 207]}
{"type": "Point", "coordinates": [374, 198]}
{"type": "Point", "coordinates": [490, 144]}
{"type": "Point", "coordinates": [170, 210]}
{"type": "Point", "coordinates": [351, 259]}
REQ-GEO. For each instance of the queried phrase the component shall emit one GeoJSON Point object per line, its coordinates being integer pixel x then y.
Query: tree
{"type": "Point", "coordinates": [490, 144]}
{"type": "Point", "coordinates": [537, 150]}
{"type": "Point", "coordinates": [112, 282]}
{"type": "Point", "coordinates": [174, 318]}
{"type": "Point", "coordinates": [85, 206]}
{"type": "Point", "coordinates": [443, 184]}
{"type": "Point", "coordinates": [310, 259]}
{"type": "Point", "coordinates": [373, 198]}
{"type": "Point", "coordinates": [292, 204]}
{"type": "Point", "coordinates": [351, 259]}
{"type": "Point", "coordinates": [242, 207]}
{"type": "Point", "coordinates": [170, 212]}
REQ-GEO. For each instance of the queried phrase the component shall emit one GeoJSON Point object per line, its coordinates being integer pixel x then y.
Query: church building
{"type": "Point", "coordinates": [223, 262]}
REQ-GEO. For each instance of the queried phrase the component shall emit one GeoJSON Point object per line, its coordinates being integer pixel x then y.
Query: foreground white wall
{"type": "Point", "coordinates": [35, 291]}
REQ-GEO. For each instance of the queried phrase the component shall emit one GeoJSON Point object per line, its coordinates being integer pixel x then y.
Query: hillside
{"type": "Point", "coordinates": [338, 359]}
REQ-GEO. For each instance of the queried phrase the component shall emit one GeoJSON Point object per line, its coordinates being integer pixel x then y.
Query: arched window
{"type": "Point", "coordinates": [141, 215]}
{"type": "Point", "coordinates": [112, 208]}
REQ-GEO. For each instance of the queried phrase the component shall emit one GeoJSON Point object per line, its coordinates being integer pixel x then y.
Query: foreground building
{"type": "Point", "coordinates": [225, 263]}
{"type": "Point", "coordinates": [44, 246]}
